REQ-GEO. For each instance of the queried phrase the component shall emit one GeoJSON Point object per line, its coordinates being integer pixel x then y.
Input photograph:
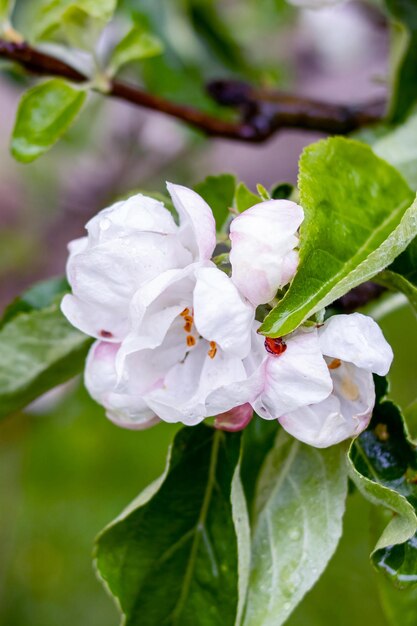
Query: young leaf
{"type": "Point", "coordinates": [383, 465]}
{"type": "Point", "coordinates": [172, 556]}
{"type": "Point", "coordinates": [136, 45]}
{"type": "Point", "coordinates": [218, 191]}
{"type": "Point", "coordinates": [404, 70]}
{"type": "Point", "coordinates": [359, 216]}
{"type": "Point", "coordinates": [244, 198]}
{"type": "Point", "coordinates": [39, 350]}
{"type": "Point", "coordinates": [45, 112]}
{"type": "Point", "coordinates": [300, 504]}
{"type": "Point", "coordinates": [57, 15]}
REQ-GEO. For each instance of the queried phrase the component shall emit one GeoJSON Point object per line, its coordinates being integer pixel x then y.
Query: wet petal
{"type": "Point", "coordinates": [196, 221]}
{"type": "Point", "coordinates": [344, 414]}
{"type": "Point", "coordinates": [220, 313]}
{"type": "Point", "coordinates": [358, 339]}
{"type": "Point", "coordinates": [263, 239]}
{"type": "Point", "coordinates": [296, 378]}
{"type": "Point", "coordinates": [122, 408]}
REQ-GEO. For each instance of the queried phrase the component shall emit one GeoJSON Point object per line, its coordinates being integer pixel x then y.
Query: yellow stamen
{"type": "Point", "coordinates": [213, 350]}
{"type": "Point", "coordinates": [190, 341]}
{"type": "Point", "coordinates": [188, 326]}
{"type": "Point", "coordinates": [334, 364]}
{"type": "Point", "coordinates": [185, 313]}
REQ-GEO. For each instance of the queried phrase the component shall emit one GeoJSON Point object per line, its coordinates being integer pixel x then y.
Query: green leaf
{"type": "Point", "coordinates": [300, 504]}
{"type": "Point", "coordinates": [45, 112]}
{"type": "Point", "coordinates": [398, 146]}
{"type": "Point", "coordinates": [358, 219]}
{"type": "Point", "coordinates": [258, 439]}
{"type": "Point", "coordinates": [74, 16]}
{"type": "Point", "coordinates": [244, 198]}
{"type": "Point", "coordinates": [404, 57]}
{"type": "Point", "coordinates": [39, 296]}
{"type": "Point", "coordinates": [172, 556]}
{"type": "Point", "coordinates": [6, 8]}
{"type": "Point", "coordinates": [401, 275]}
{"type": "Point", "coordinates": [282, 191]}
{"type": "Point", "coordinates": [218, 191]}
{"type": "Point", "coordinates": [347, 592]}
{"type": "Point", "coordinates": [219, 38]}
{"type": "Point", "coordinates": [39, 351]}
{"type": "Point", "coordinates": [383, 465]}
{"type": "Point", "coordinates": [136, 45]}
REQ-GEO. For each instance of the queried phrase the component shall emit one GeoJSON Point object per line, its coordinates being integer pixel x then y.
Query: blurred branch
{"type": "Point", "coordinates": [261, 113]}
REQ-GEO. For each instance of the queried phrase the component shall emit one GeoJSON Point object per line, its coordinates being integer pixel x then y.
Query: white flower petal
{"type": "Point", "coordinates": [198, 387]}
{"type": "Point", "coordinates": [156, 306]}
{"type": "Point", "coordinates": [344, 414]}
{"type": "Point", "coordinates": [196, 221]}
{"type": "Point", "coordinates": [138, 213]}
{"type": "Point", "coordinates": [358, 339]}
{"type": "Point", "coordinates": [296, 378]}
{"type": "Point", "coordinates": [220, 313]}
{"type": "Point", "coordinates": [262, 238]}
{"type": "Point", "coordinates": [105, 277]}
{"type": "Point", "coordinates": [122, 408]}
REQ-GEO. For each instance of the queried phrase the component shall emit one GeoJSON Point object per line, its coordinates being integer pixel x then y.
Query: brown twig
{"type": "Point", "coordinates": [261, 113]}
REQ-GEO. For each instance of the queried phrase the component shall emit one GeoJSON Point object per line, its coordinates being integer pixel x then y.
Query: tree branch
{"type": "Point", "coordinates": [261, 113]}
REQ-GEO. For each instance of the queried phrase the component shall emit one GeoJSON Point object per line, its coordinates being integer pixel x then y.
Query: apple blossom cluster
{"type": "Point", "coordinates": [176, 337]}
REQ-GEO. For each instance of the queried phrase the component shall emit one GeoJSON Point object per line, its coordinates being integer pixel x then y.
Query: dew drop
{"type": "Point", "coordinates": [294, 534]}
{"type": "Point", "coordinates": [287, 606]}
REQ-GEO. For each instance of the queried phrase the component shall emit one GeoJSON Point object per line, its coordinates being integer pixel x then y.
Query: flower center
{"type": "Point", "coordinates": [275, 345]}
{"type": "Point", "coordinates": [191, 340]}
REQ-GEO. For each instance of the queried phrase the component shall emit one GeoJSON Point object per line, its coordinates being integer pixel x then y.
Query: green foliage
{"type": "Point", "coordinates": [6, 7]}
{"type": "Point", "coordinates": [218, 191]}
{"type": "Point", "coordinates": [401, 275]}
{"type": "Point", "coordinates": [219, 38]}
{"type": "Point", "coordinates": [172, 556]}
{"type": "Point", "coordinates": [45, 112]}
{"type": "Point", "coordinates": [258, 439]}
{"type": "Point", "coordinates": [358, 218]}
{"type": "Point", "coordinates": [398, 146]}
{"type": "Point", "coordinates": [39, 348]}
{"type": "Point", "coordinates": [383, 465]}
{"type": "Point", "coordinates": [39, 296]}
{"type": "Point", "coordinates": [77, 19]}
{"type": "Point", "coordinates": [347, 592]}
{"type": "Point", "coordinates": [138, 44]}
{"type": "Point", "coordinates": [404, 53]}
{"type": "Point", "coordinates": [282, 191]}
{"type": "Point", "coordinates": [299, 505]}
{"type": "Point", "coordinates": [244, 198]}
